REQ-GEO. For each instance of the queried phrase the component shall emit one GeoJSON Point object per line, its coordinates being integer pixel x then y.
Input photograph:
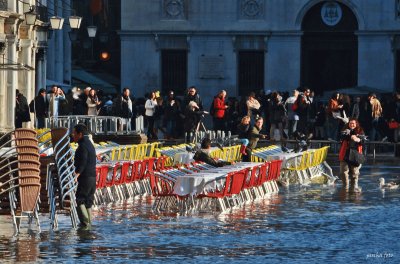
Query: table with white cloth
{"type": "Point", "coordinates": [183, 157]}
{"type": "Point", "coordinates": [207, 180]}
{"type": "Point", "coordinates": [290, 159]}
{"type": "Point", "coordinates": [104, 150]}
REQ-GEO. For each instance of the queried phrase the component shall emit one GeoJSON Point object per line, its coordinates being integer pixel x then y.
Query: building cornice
{"type": "Point", "coordinates": [129, 33]}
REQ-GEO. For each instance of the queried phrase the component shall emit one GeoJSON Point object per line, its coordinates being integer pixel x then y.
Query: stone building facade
{"type": "Point", "coordinates": [248, 45]}
{"type": "Point", "coordinates": [19, 63]}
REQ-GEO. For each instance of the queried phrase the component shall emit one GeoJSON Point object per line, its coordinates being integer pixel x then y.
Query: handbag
{"type": "Point", "coordinates": [355, 158]}
{"type": "Point", "coordinates": [393, 124]}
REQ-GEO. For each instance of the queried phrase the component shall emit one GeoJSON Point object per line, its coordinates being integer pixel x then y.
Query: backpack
{"type": "Point", "coordinates": [295, 106]}
{"type": "Point", "coordinates": [212, 109]}
{"type": "Point", "coordinates": [32, 106]}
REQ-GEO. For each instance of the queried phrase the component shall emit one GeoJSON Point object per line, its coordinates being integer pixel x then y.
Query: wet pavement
{"type": "Point", "coordinates": [302, 224]}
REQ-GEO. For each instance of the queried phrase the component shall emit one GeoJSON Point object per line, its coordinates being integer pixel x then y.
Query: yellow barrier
{"type": "Point", "coordinates": [134, 152]}
{"type": "Point", "coordinates": [231, 153]}
{"type": "Point", "coordinates": [311, 158]}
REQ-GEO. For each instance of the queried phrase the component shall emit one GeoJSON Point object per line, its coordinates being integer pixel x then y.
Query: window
{"type": "Point", "coordinates": [397, 74]}
{"type": "Point", "coordinates": [250, 71]}
{"type": "Point", "coordinates": [173, 71]}
{"type": "Point", "coordinates": [397, 10]}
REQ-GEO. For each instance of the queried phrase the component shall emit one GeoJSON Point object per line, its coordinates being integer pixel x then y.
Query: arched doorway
{"type": "Point", "coordinates": [329, 57]}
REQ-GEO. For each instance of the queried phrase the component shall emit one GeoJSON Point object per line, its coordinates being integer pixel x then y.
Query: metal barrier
{"type": "Point", "coordinates": [95, 124]}
{"type": "Point", "coordinates": [372, 148]}
{"type": "Point", "coordinates": [217, 136]}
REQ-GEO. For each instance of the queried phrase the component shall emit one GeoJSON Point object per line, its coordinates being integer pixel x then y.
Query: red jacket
{"type": "Point", "coordinates": [219, 107]}
{"type": "Point", "coordinates": [343, 150]}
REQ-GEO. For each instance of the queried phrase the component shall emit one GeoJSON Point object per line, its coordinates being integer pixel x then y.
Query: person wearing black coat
{"type": "Point", "coordinates": [40, 106]}
{"type": "Point", "coordinates": [192, 119]}
{"type": "Point", "coordinates": [85, 170]}
{"type": "Point", "coordinates": [204, 155]}
{"type": "Point", "coordinates": [21, 110]}
{"type": "Point", "coordinates": [192, 95]}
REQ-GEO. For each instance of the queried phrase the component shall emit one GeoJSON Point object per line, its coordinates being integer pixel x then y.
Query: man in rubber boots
{"type": "Point", "coordinates": [85, 170]}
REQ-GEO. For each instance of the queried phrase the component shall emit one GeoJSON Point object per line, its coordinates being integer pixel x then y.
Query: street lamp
{"type": "Point", "coordinates": [75, 22]}
{"type": "Point", "coordinates": [56, 22]}
{"type": "Point", "coordinates": [30, 16]}
{"type": "Point", "coordinates": [92, 31]}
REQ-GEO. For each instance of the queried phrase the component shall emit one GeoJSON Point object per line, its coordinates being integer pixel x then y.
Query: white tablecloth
{"type": "Point", "coordinates": [198, 183]}
{"type": "Point", "coordinates": [207, 180]}
{"type": "Point", "coordinates": [183, 158]}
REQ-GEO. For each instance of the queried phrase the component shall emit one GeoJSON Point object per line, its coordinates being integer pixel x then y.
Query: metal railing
{"type": "Point", "coordinates": [96, 124]}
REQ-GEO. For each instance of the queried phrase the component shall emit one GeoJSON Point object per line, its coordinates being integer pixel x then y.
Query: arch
{"type": "Point", "coordinates": [304, 10]}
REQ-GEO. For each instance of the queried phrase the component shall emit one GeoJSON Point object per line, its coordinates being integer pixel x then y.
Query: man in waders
{"type": "Point", "coordinates": [85, 169]}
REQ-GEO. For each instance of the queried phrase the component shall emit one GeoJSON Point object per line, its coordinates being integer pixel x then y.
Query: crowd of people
{"type": "Point", "coordinates": [172, 116]}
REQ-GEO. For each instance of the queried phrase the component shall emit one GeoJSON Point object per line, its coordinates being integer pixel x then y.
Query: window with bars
{"type": "Point", "coordinates": [250, 71]}
{"type": "Point", "coordinates": [397, 70]}
{"type": "Point", "coordinates": [174, 71]}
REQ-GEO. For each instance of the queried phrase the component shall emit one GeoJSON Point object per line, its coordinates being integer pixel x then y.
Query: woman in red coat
{"type": "Point", "coordinates": [351, 138]}
{"type": "Point", "coordinates": [219, 108]}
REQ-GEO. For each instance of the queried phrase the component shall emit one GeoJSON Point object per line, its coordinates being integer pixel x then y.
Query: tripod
{"type": "Point", "coordinates": [200, 127]}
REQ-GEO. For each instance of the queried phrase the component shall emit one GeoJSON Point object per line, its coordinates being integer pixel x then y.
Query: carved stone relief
{"type": "Point", "coordinates": [174, 9]}
{"type": "Point", "coordinates": [251, 9]}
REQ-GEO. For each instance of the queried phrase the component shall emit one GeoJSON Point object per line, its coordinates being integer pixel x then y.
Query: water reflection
{"type": "Point", "coordinates": [309, 223]}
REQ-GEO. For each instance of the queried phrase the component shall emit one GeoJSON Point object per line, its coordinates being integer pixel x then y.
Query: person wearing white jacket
{"type": "Point", "coordinates": [150, 109]}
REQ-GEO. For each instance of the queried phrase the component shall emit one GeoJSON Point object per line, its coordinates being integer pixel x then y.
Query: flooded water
{"type": "Point", "coordinates": [302, 224]}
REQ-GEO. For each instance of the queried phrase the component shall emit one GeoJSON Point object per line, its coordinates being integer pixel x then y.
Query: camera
{"type": "Point", "coordinates": [346, 132]}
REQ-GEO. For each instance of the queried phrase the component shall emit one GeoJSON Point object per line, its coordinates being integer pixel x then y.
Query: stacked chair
{"type": "Point", "coordinates": [20, 176]}
{"type": "Point", "coordinates": [61, 179]}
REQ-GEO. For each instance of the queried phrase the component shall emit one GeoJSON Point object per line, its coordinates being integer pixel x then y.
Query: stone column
{"type": "Point", "coordinates": [67, 42]}
{"type": "Point", "coordinates": [12, 81]}
{"type": "Point", "coordinates": [25, 80]}
{"type": "Point", "coordinates": [3, 76]}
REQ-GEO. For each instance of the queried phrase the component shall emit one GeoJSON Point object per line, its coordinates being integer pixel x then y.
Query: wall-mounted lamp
{"type": "Point", "coordinates": [75, 22]}
{"type": "Point", "coordinates": [92, 31]}
{"type": "Point", "coordinates": [56, 22]}
{"type": "Point", "coordinates": [30, 16]}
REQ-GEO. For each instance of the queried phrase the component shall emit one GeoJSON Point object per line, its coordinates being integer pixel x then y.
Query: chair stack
{"type": "Point", "coordinates": [20, 175]}
{"type": "Point", "coordinates": [61, 179]}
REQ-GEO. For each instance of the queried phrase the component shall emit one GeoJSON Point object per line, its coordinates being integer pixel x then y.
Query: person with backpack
{"type": "Point", "coordinates": [218, 111]}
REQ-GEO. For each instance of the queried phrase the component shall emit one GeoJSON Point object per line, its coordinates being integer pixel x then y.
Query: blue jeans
{"type": "Point", "coordinates": [332, 126]}
{"type": "Point", "coordinates": [374, 132]}
{"type": "Point", "coordinates": [244, 141]}
{"type": "Point", "coordinates": [171, 127]}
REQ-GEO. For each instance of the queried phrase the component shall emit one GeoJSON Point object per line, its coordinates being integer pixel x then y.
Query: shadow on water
{"type": "Point", "coordinates": [302, 224]}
